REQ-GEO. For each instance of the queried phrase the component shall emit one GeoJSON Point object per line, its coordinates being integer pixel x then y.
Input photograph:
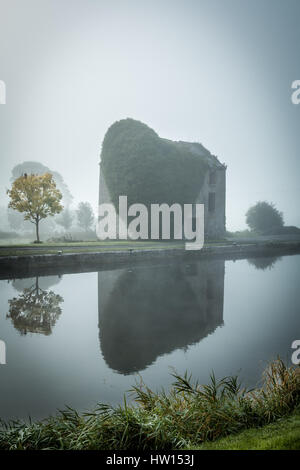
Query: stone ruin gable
{"type": "Point", "coordinates": [213, 191]}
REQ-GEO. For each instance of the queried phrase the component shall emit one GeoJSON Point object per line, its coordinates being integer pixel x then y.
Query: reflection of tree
{"type": "Point", "coordinates": [35, 310]}
{"type": "Point", "coordinates": [264, 262]}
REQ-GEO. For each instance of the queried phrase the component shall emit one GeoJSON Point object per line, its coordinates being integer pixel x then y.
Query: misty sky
{"type": "Point", "coordinates": [214, 71]}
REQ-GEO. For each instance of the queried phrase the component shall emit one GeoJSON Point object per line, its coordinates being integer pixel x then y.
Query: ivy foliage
{"type": "Point", "coordinates": [148, 169]}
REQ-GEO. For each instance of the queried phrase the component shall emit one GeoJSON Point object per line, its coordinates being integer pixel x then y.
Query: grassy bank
{"type": "Point", "coordinates": [186, 417]}
{"type": "Point", "coordinates": [82, 247]}
{"type": "Point", "coordinates": [283, 434]}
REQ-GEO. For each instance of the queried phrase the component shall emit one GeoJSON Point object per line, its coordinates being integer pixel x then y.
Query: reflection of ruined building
{"type": "Point", "coordinates": [146, 312]}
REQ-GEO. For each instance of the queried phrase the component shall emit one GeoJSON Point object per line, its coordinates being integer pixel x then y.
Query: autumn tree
{"type": "Point", "coordinates": [36, 196]}
{"type": "Point", "coordinates": [37, 168]}
{"type": "Point", "coordinates": [15, 219]}
{"type": "Point", "coordinates": [85, 215]}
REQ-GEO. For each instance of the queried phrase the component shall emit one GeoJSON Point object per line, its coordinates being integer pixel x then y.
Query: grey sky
{"type": "Point", "coordinates": [214, 71]}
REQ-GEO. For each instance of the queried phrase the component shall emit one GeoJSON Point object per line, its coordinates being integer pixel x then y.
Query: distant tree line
{"type": "Point", "coordinates": [265, 219]}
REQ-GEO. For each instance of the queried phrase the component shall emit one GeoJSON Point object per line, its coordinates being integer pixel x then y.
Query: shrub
{"type": "Point", "coordinates": [264, 217]}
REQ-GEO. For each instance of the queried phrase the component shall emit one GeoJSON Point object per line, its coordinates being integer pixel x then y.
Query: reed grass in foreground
{"type": "Point", "coordinates": [185, 417]}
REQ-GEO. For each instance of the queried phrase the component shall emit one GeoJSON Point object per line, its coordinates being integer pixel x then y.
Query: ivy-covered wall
{"type": "Point", "coordinates": [136, 162]}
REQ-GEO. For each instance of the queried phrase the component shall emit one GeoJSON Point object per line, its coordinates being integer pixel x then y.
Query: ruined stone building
{"type": "Point", "coordinates": [212, 187]}
{"type": "Point", "coordinates": [212, 193]}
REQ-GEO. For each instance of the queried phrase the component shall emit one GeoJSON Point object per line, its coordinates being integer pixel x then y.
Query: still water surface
{"type": "Point", "coordinates": [80, 339]}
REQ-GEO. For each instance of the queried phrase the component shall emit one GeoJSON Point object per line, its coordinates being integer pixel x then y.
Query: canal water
{"type": "Point", "coordinates": [81, 339]}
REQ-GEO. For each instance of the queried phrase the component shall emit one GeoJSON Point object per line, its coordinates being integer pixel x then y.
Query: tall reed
{"type": "Point", "coordinates": [187, 415]}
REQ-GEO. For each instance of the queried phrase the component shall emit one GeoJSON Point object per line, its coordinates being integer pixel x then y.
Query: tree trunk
{"type": "Point", "coordinates": [37, 231]}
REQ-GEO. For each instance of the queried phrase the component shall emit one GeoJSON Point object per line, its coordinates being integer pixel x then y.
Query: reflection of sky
{"type": "Point", "coordinates": [44, 373]}
{"type": "Point", "coordinates": [214, 71]}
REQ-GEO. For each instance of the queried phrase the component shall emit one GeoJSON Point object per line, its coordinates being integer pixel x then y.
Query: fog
{"type": "Point", "coordinates": [217, 72]}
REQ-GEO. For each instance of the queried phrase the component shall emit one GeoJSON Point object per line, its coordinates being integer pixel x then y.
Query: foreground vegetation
{"type": "Point", "coordinates": [283, 434]}
{"type": "Point", "coordinates": [186, 417]}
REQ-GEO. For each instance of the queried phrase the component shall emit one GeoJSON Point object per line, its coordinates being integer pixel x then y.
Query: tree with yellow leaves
{"type": "Point", "coordinates": [36, 196]}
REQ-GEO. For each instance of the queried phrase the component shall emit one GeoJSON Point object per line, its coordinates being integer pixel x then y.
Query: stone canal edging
{"type": "Point", "coordinates": [33, 265]}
